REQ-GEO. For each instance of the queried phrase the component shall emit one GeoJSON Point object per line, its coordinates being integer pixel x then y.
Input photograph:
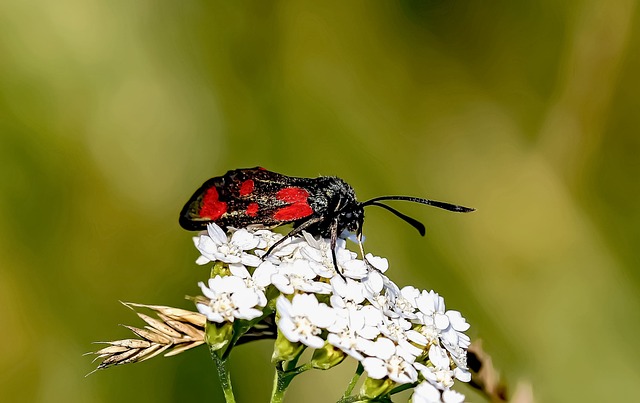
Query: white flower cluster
{"type": "Point", "coordinates": [405, 335]}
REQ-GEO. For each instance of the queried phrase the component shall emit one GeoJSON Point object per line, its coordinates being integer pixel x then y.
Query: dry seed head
{"type": "Point", "coordinates": [175, 330]}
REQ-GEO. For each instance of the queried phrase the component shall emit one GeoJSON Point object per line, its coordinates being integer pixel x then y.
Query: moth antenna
{"type": "Point", "coordinates": [409, 220]}
{"type": "Point", "coordinates": [434, 203]}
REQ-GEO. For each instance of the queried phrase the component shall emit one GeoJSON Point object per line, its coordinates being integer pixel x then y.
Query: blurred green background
{"type": "Point", "coordinates": [113, 112]}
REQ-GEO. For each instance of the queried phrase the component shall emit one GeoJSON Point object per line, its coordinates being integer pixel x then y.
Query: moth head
{"type": "Point", "coordinates": [351, 218]}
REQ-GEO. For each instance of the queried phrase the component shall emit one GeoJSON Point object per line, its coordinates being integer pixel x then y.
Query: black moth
{"type": "Point", "coordinates": [324, 206]}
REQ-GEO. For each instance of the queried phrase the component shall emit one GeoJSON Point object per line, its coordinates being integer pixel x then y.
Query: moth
{"type": "Point", "coordinates": [324, 206]}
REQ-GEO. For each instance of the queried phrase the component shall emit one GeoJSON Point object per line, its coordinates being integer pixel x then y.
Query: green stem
{"type": "Point", "coordinates": [298, 370]}
{"type": "Point", "coordinates": [283, 379]}
{"type": "Point", "coordinates": [291, 365]}
{"type": "Point", "coordinates": [225, 377]}
{"type": "Point", "coordinates": [280, 384]}
{"type": "Point", "coordinates": [354, 380]}
{"type": "Point", "coordinates": [354, 399]}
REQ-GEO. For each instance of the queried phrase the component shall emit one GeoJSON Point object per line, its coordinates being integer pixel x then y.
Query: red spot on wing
{"type": "Point", "coordinates": [252, 209]}
{"type": "Point", "coordinates": [298, 208]}
{"type": "Point", "coordinates": [293, 195]}
{"type": "Point", "coordinates": [212, 207]}
{"type": "Point", "coordinates": [246, 187]}
{"type": "Point", "coordinates": [293, 212]}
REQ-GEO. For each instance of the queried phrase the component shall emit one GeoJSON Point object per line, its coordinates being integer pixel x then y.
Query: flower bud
{"type": "Point", "coordinates": [218, 336]}
{"type": "Point", "coordinates": [220, 269]}
{"type": "Point", "coordinates": [285, 350]}
{"type": "Point", "coordinates": [373, 388]}
{"type": "Point", "coordinates": [327, 357]}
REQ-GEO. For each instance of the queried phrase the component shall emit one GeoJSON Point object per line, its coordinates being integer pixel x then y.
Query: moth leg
{"type": "Point", "coordinates": [293, 233]}
{"type": "Point", "coordinates": [366, 261]}
{"type": "Point", "coordinates": [334, 238]}
{"type": "Point", "coordinates": [359, 238]}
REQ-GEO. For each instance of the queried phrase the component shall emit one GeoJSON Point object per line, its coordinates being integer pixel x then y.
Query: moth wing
{"type": "Point", "coordinates": [243, 197]}
{"type": "Point", "coordinates": [206, 205]}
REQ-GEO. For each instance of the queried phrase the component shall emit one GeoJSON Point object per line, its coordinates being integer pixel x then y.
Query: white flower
{"type": "Point", "coordinates": [214, 246]}
{"type": "Point", "coordinates": [258, 281]}
{"type": "Point", "coordinates": [230, 298]}
{"type": "Point", "coordinates": [394, 328]}
{"type": "Point", "coordinates": [318, 253]}
{"type": "Point", "coordinates": [451, 396]}
{"type": "Point", "coordinates": [405, 305]}
{"type": "Point", "coordinates": [346, 293]}
{"type": "Point", "coordinates": [462, 375]}
{"type": "Point", "coordinates": [453, 335]}
{"type": "Point", "coordinates": [374, 283]}
{"type": "Point", "coordinates": [431, 306]}
{"type": "Point", "coordinates": [373, 317]}
{"type": "Point", "coordinates": [297, 275]}
{"type": "Point", "coordinates": [286, 250]}
{"type": "Point", "coordinates": [354, 328]}
{"type": "Point", "coordinates": [459, 357]}
{"type": "Point", "coordinates": [268, 238]}
{"type": "Point", "coordinates": [427, 393]}
{"type": "Point", "coordinates": [430, 333]}
{"type": "Point", "coordinates": [381, 292]}
{"type": "Point", "coordinates": [457, 322]}
{"type": "Point", "coordinates": [432, 315]}
{"type": "Point", "coordinates": [343, 332]}
{"type": "Point", "coordinates": [439, 373]}
{"type": "Point", "coordinates": [448, 326]}
{"type": "Point", "coordinates": [389, 360]}
{"type": "Point", "coordinates": [303, 318]}
{"type": "Point", "coordinates": [369, 318]}
{"type": "Point", "coordinates": [262, 274]}
{"type": "Point", "coordinates": [379, 263]}
{"type": "Point", "coordinates": [347, 341]}
{"type": "Point", "coordinates": [397, 329]}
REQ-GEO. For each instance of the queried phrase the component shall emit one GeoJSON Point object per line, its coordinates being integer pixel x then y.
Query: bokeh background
{"type": "Point", "coordinates": [113, 112]}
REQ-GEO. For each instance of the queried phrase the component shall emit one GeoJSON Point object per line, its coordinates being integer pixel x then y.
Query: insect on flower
{"type": "Point", "coordinates": [255, 197]}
